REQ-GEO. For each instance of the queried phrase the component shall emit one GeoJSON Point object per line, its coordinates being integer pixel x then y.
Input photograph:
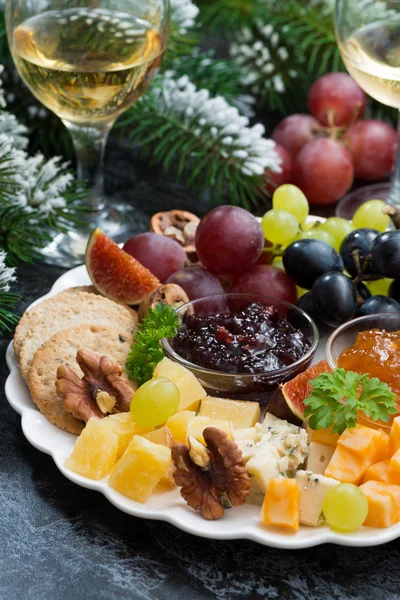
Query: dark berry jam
{"type": "Point", "coordinates": [252, 340]}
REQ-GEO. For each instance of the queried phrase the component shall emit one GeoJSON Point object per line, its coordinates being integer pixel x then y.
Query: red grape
{"type": "Point", "coordinates": [277, 179]}
{"type": "Point", "coordinates": [323, 170]}
{"type": "Point", "coordinates": [266, 280]}
{"type": "Point", "coordinates": [295, 131]}
{"type": "Point", "coordinates": [197, 283]}
{"type": "Point", "coordinates": [338, 95]}
{"type": "Point", "coordinates": [228, 240]}
{"type": "Point", "coordinates": [158, 253]}
{"type": "Point", "coordinates": [372, 145]}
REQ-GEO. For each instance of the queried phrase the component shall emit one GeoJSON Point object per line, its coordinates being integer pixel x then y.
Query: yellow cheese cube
{"type": "Point", "coordinates": [197, 425]}
{"type": "Point", "coordinates": [163, 436]}
{"type": "Point", "coordinates": [281, 506]}
{"type": "Point", "coordinates": [394, 437]}
{"type": "Point", "coordinates": [140, 469]}
{"type": "Point", "coordinates": [95, 451]}
{"type": "Point", "coordinates": [246, 434]}
{"type": "Point", "coordinates": [178, 424]}
{"type": "Point", "coordinates": [124, 427]}
{"type": "Point", "coordinates": [242, 414]}
{"type": "Point", "coordinates": [378, 471]}
{"type": "Point", "coordinates": [190, 389]}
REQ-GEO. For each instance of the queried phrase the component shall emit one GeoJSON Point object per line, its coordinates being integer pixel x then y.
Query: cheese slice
{"type": "Point", "coordinates": [313, 489]}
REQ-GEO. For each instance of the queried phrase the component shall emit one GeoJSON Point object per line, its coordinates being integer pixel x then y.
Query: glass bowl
{"type": "Point", "coordinates": [345, 336]}
{"type": "Point", "coordinates": [247, 386]}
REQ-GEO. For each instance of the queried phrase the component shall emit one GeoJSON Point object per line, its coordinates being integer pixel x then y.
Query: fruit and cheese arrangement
{"type": "Point", "coordinates": [310, 445]}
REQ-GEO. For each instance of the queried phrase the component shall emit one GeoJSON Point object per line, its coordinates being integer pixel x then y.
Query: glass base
{"type": "Point", "coordinates": [352, 201]}
{"type": "Point", "coordinates": [119, 221]}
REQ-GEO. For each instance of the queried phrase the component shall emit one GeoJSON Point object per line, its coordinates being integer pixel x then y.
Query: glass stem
{"type": "Point", "coordinates": [89, 144]}
{"type": "Point", "coordinates": [394, 196]}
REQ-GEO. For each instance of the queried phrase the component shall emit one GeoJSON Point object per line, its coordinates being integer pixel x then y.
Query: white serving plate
{"type": "Point", "coordinates": [237, 523]}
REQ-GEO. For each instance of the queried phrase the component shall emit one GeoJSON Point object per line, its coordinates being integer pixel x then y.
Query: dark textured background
{"type": "Point", "coordinates": [58, 540]}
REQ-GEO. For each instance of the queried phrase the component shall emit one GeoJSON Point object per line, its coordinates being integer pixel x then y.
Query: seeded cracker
{"type": "Point", "coordinates": [62, 349]}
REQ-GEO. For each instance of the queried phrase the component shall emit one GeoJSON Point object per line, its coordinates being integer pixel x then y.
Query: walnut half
{"type": "Point", "coordinates": [101, 390]}
{"type": "Point", "coordinates": [203, 489]}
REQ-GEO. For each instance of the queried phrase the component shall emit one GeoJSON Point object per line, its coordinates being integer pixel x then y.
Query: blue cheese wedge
{"type": "Point", "coordinates": [319, 457]}
{"type": "Point", "coordinates": [248, 433]}
{"type": "Point", "coordinates": [313, 489]}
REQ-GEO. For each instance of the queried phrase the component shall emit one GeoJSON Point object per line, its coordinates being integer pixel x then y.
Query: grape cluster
{"type": "Point", "coordinates": [323, 152]}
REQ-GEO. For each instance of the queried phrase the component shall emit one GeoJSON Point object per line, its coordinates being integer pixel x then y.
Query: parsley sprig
{"type": "Point", "coordinates": [336, 398]}
{"type": "Point", "coordinates": [161, 321]}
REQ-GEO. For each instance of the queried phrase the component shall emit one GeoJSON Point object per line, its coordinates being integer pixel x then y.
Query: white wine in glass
{"type": "Point", "coordinates": [369, 42]}
{"type": "Point", "coordinates": [88, 61]}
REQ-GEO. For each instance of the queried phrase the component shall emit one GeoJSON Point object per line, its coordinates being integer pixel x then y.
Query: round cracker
{"type": "Point", "coordinates": [62, 312]}
{"type": "Point", "coordinates": [62, 349]}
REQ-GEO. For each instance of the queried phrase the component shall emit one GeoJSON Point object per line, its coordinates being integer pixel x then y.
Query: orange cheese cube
{"type": "Point", "coordinates": [394, 437]}
{"type": "Point", "coordinates": [367, 443]}
{"type": "Point", "coordinates": [394, 468]}
{"type": "Point", "coordinates": [323, 436]}
{"type": "Point", "coordinates": [378, 472]}
{"type": "Point", "coordinates": [383, 504]}
{"type": "Point", "coordinates": [346, 466]}
{"type": "Point", "coordinates": [281, 506]}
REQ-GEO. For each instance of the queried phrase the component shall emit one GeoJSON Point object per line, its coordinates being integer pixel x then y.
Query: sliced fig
{"type": "Point", "coordinates": [169, 293]}
{"type": "Point", "coordinates": [180, 225]}
{"type": "Point", "coordinates": [115, 273]}
{"type": "Point", "coordinates": [287, 400]}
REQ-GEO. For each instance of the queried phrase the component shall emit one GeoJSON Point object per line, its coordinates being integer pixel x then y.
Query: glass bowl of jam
{"type": "Point", "coordinates": [242, 346]}
{"type": "Point", "coordinates": [369, 344]}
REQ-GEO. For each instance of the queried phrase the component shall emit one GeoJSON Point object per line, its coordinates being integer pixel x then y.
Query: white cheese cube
{"type": "Point", "coordinates": [248, 448]}
{"type": "Point", "coordinates": [313, 489]}
{"type": "Point", "coordinates": [262, 467]}
{"type": "Point", "coordinates": [248, 433]}
{"type": "Point", "coordinates": [319, 457]}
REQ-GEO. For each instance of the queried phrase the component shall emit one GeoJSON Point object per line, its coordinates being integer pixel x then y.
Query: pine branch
{"type": "Point", "coordinates": [228, 16]}
{"type": "Point", "coordinates": [204, 140]}
{"type": "Point", "coordinates": [272, 67]}
{"type": "Point", "coordinates": [7, 298]}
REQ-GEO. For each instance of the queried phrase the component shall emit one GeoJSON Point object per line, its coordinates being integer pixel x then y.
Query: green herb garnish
{"type": "Point", "coordinates": [336, 398]}
{"type": "Point", "coordinates": [161, 321]}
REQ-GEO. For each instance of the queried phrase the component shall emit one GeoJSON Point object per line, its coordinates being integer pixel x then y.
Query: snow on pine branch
{"type": "Point", "coordinates": [214, 119]}
{"type": "Point", "coordinates": [7, 274]}
{"type": "Point", "coordinates": [183, 15]}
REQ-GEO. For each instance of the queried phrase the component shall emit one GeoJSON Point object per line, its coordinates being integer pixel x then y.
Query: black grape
{"type": "Point", "coordinates": [378, 304]}
{"type": "Point", "coordinates": [394, 290]}
{"type": "Point", "coordinates": [385, 251]}
{"type": "Point", "coordinates": [335, 298]}
{"type": "Point", "coordinates": [360, 240]}
{"type": "Point", "coordinates": [363, 291]}
{"type": "Point", "coordinates": [306, 260]}
{"type": "Point", "coordinates": [306, 303]}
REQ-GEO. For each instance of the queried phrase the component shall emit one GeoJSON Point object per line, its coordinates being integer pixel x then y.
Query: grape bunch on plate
{"type": "Point", "coordinates": [322, 153]}
{"type": "Point", "coordinates": [334, 270]}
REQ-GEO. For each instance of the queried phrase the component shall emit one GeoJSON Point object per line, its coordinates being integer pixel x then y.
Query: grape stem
{"type": "Point", "coordinates": [394, 214]}
{"type": "Point", "coordinates": [333, 131]}
{"type": "Point", "coordinates": [361, 276]}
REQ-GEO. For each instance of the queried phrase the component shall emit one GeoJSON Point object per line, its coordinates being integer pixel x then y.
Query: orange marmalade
{"type": "Point", "coordinates": [376, 352]}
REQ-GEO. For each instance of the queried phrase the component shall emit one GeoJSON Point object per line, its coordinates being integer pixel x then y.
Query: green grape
{"type": "Point", "coordinates": [338, 228]}
{"type": "Point", "coordinates": [279, 226]}
{"type": "Point", "coordinates": [289, 197]}
{"type": "Point", "coordinates": [379, 287]}
{"type": "Point", "coordinates": [277, 262]}
{"type": "Point", "coordinates": [370, 215]}
{"type": "Point", "coordinates": [316, 234]}
{"type": "Point", "coordinates": [154, 402]}
{"type": "Point", "coordinates": [345, 507]}
{"type": "Point", "coordinates": [301, 291]}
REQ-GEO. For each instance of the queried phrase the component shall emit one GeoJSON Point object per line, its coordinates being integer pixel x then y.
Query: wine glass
{"type": "Point", "coordinates": [368, 34]}
{"type": "Point", "coordinates": [88, 61]}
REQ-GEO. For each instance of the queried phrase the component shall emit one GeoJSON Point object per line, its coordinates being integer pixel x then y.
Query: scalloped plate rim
{"type": "Point", "coordinates": [241, 523]}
